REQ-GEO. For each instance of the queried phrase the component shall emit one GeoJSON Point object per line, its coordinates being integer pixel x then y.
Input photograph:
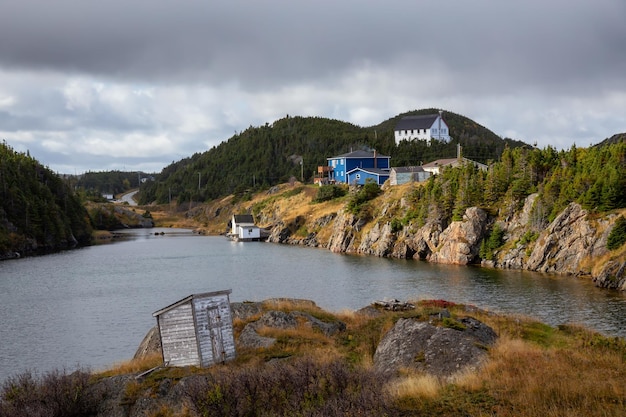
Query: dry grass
{"type": "Point", "coordinates": [134, 366]}
{"type": "Point", "coordinates": [528, 380]}
{"type": "Point", "coordinates": [411, 386]}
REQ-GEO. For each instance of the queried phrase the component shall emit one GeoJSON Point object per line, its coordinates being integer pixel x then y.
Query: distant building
{"type": "Point", "coordinates": [242, 228]}
{"type": "Point", "coordinates": [402, 175]}
{"type": "Point", "coordinates": [342, 164]}
{"type": "Point", "coordinates": [197, 330]}
{"type": "Point", "coordinates": [427, 127]}
{"type": "Point", "coordinates": [435, 167]}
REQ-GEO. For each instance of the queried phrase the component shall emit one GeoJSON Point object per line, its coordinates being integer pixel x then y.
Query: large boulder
{"type": "Point", "coordinates": [440, 351]}
{"type": "Point", "coordinates": [150, 344]}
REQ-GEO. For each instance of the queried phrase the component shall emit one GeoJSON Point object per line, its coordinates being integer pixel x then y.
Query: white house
{"type": "Point", "coordinates": [242, 228]}
{"type": "Point", "coordinates": [426, 127]}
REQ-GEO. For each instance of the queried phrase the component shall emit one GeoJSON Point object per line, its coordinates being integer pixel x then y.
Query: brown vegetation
{"type": "Point", "coordinates": [533, 370]}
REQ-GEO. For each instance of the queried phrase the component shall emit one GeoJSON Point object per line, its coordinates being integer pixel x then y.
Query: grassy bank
{"type": "Point", "coordinates": [533, 370]}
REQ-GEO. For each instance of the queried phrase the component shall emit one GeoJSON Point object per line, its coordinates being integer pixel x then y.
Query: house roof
{"type": "Point", "coordinates": [359, 154]}
{"type": "Point", "coordinates": [441, 163]}
{"type": "Point", "coordinates": [243, 218]}
{"type": "Point", "coordinates": [408, 169]}
{"type": "Point", "coordinates": [416, 122]}
{"type": "Point", "coordinates": [189, 298]}
{"type": "Point", "coordinates": [375, 171]}
{"type": "Point", "coordinates": [452, 161]}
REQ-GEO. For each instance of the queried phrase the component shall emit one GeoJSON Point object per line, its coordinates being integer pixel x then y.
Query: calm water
{"type": "Point", "coordinates": [91, 307]}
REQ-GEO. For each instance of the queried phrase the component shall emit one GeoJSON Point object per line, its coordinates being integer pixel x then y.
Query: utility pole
{"type": "Point", "coordinates": [302, 169]}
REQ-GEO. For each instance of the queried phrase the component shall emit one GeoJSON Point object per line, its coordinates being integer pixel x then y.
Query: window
{"type": "Point", "coordinates": [358, 176]}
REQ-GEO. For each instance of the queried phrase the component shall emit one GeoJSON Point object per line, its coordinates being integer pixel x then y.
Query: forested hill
{"type": "Point", "coordinates": [38, 211]}
{"type": "Point", "coordinates": [270, 154]}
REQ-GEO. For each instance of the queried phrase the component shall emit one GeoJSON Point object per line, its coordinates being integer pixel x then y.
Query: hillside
{"type": "Point", "coordinates": [537, 210]}
{"type": "Point", "coordinates": [260, 157]}
{"type": "Point", "coordinates": [38, 210]}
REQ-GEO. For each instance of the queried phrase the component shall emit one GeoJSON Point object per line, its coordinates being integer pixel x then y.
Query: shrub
{"type": "Point", "coordinates": [300, 387]}
{"type": "Point", "coordinates": [56, 394]}
{"type": "Point", "coordinates": [617, 237]}
{"type": "Point", "coordinates": [396, 225]}
{"type": "Point", "coordinates": [492, 243]}
{"type": "Point", "coordinates": [329, 192]}
{"type": "Point", "coordinates": [357, 201]}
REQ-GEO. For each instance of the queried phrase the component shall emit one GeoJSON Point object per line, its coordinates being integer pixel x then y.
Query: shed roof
{"type": "Point", "coordinates": [416, 122]}
{"type": "Point", "coordinates": [189, 298]}
{"type": "Point", "coordinates": [359, 154]}
{"type": "Point", "coordinates": [243, 218]}
{"type": "Point", "coordinates": [403, 170]}
{"type": "Point", "coordinates": [375, 171]}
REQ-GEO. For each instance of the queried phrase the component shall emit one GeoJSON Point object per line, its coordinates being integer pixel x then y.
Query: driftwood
{"type": "Point", "coordinates": [394, 305]}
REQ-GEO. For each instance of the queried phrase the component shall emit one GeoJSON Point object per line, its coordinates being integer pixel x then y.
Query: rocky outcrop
{"type": "Point", "coordinates": [460, 241]}
{"type": "Point", "coordinates": [379, 241]}
{"type": "Point", "coordinates": [612, 275]}
{"type": "Point", "coordinates": [570, 244]}
{"type": "Point", "coordinates": [150, 344]}
{"type": "Point", "coordinates": [440, 351]}
{"type": "Point", "coordinates": [250, 338]}
{"type": "Point", "coordinates": [344, 230]}
{"type": "Point", "coordinates": [563, 245]}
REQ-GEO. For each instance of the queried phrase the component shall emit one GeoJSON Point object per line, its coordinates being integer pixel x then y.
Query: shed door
{"type": "Point", "coordinates": [215, 333]}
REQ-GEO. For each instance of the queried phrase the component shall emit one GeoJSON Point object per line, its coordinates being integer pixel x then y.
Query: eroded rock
{"type": "Point", "coordinates": [440, 351]}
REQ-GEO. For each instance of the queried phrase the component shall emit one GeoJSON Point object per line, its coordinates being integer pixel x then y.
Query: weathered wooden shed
{"type": "Point", "coordinates": [197, 330]}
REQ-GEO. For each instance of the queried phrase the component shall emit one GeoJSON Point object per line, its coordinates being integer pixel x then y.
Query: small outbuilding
{"type": "Point", "coordinates": [197, 330]}
{"type": "Point", "coordinates": [243, 229]}
{"type": "Point", "coordinates": [402, 175]}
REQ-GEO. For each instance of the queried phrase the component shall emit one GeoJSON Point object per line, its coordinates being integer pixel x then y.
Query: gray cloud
{"type": "Point", "coordinates": [185, 75]}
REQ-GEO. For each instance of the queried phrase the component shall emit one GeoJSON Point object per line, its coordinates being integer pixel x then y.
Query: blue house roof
{"type": "Point", "coordinates": [359, 154]}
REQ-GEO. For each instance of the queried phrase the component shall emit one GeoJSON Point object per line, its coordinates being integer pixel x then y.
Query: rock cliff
{"type": "Point", "coordinates": [574, 243]}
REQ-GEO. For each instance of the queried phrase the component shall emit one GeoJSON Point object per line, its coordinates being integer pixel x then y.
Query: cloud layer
{"type": "Point", "coordinates": [138, 84]}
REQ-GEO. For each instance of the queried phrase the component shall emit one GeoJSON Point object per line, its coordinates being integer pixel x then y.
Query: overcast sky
{"type": "Point", "coordinates": [137, 84]}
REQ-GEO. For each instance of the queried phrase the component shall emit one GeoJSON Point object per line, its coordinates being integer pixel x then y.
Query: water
{"type": "Point", "coordinates": [91, 307]}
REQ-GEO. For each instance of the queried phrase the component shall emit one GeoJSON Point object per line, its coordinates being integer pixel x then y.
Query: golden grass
{"type": "Point", "coordinates": [535, 381]}
{"type": "Point", "coordinates": [411, 386]}
{"type": "Point", "coordinates": [134, 366]}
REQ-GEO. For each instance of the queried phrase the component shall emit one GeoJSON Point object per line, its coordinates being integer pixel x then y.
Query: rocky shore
{"type": "Point", "coordinates": [574, 243]}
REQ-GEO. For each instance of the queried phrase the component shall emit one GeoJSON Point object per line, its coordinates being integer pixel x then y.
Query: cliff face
{"type": "Point", "coordinates": [573, 243]}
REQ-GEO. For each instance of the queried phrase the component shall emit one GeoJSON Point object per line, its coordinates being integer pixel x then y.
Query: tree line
{"type": "Point", "coordinates": [38, 210]}
{"type": "Point", "coordinates": [595, 177]}
{"type": "Point", "coordinates": [293, 148]}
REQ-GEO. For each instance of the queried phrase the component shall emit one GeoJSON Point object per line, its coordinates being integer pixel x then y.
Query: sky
{"type": "Point", "coordinates": [137, 84]}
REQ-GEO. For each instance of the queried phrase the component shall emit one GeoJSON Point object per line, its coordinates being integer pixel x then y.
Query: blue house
{"type": "Point", "coordinates": [341, 165]}
{"type": "Point", "coordinates": [360, 175]}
